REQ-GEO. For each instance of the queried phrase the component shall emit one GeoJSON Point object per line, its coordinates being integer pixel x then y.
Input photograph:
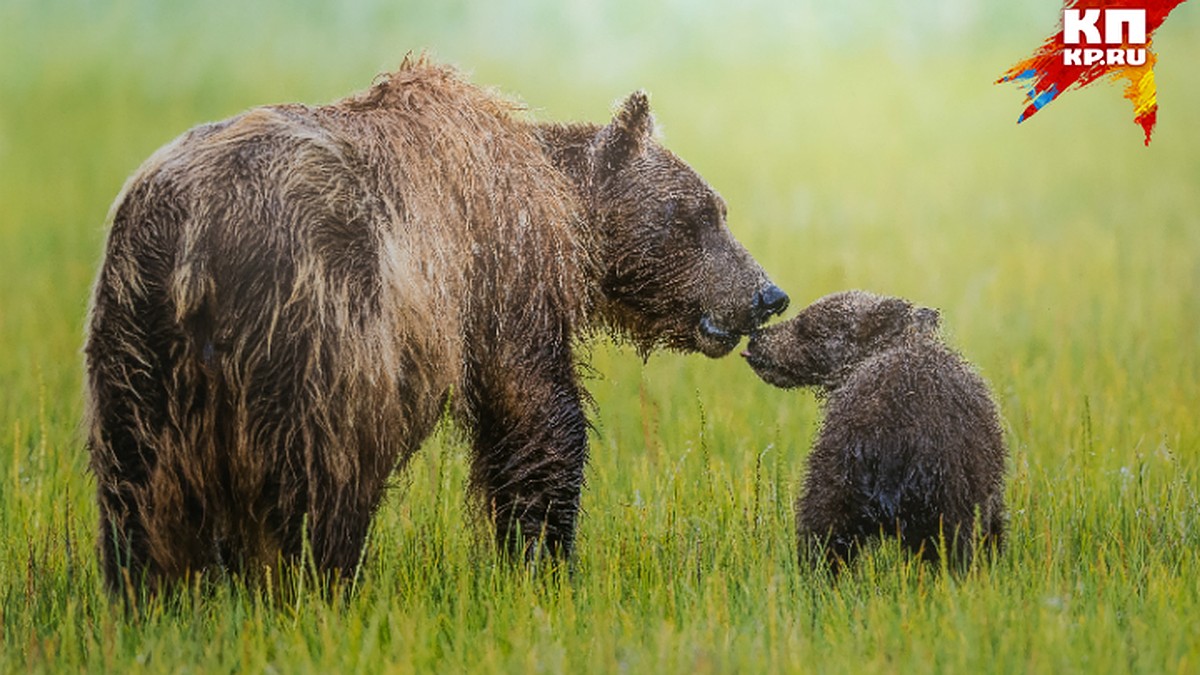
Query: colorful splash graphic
{"type": "Point", "coordinates": [1086, 49]}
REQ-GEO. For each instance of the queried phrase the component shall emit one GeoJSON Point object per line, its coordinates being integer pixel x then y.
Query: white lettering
{"type": "Point", "coordinates": [1109, 57]}
{"type": "Point", "coordinates": [1116, 19]}
{"type": "Point", "coordinates": [1079, 25]}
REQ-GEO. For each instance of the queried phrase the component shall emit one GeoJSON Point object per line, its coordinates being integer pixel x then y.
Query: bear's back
{"type": "Point", "coordinates": [915, 407]}
{"type": "Point", "coordinates": [398, 228]}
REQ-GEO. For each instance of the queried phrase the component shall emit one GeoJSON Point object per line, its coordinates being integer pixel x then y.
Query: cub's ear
{"type": "Point", "coordinates": [885, 320]}
{"type": "Point", "coordinates": [627, 135]}
{"type": "Point", "coordinates": [927, 319]}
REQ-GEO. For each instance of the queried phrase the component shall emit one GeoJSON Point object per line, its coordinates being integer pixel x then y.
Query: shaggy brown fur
{"type": "Point", "coordinates": [290, 298]}
{"type": "Point", "coordinates": [910, 444]}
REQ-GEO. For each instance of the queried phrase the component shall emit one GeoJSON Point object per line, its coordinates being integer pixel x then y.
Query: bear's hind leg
{"type": "Point", "coordinates": [151, 535]}
{"type": "Point", "coordinates": [833, 551]}
{"type": "Point", "coordinates": [329, 487]}
{"type": "Point", "coordinates": [826, 529]}
{"type": "Point", "coordinates": [933, 536]}
{"type": "Point", "coordinates": [337, 540]}
{"type": "Point", "coordinates": [149, 528]}
{"type": "Point", "coordinates": [994, 524]}
{"type": "Point", "coordinates": [123, 543]}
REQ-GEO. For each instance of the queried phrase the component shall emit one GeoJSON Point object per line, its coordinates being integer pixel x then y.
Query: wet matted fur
{"type": "Point", "coordinates": [911, 443]}
{"type": "Point", "coordinates": [290, 299]}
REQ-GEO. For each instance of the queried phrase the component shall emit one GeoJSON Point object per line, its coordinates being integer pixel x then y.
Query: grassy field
{"type": "Point", "coordinates": [860, 149]}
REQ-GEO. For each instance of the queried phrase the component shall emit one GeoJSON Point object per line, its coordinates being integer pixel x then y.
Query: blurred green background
{"type": "Point", "coordinates": [859, 145]}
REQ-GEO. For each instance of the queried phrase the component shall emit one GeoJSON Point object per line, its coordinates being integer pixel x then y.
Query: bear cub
{"type": "Point", "coordinates": [911, 442]}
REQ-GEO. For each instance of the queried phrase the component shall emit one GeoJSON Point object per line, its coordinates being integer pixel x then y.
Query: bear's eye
{"type": "Point", "coordinates": [670, 210]}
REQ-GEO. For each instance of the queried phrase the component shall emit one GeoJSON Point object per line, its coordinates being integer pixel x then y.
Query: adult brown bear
{"type": "Point", "coordinates": [290, 299]}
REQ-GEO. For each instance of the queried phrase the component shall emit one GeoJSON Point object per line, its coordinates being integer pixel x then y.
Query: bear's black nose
{"type": "Point", "coordinates": [769, 301]}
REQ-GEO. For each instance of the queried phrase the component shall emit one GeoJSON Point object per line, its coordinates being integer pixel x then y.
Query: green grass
{"type": "Point", "coordinates": [1064, 256]}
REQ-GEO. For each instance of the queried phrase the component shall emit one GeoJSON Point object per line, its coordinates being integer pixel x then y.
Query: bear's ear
{"type": "Point", "coordinates": [627, 135]}
{"type": "Point", "coordinates": [927, 319]}
{"type": "Point", "coordinates": [885, 320]}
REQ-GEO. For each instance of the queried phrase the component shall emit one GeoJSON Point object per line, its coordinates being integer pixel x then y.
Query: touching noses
{"type": "Point", "coordinates": [769, 301]}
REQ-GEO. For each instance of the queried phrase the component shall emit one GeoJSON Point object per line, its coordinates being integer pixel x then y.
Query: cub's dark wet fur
{"type": "Point", "coordinates": [911, 443]}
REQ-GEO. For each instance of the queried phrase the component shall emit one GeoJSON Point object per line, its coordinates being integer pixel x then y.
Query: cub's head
{"type": "Point", "coordinates": [672, 275]}
{"type": "Point", "coordinates": [829, 337]}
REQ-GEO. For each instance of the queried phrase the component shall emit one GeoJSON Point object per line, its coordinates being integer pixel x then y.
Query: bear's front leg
{"type": "Point", "coordinates": [530, 447]}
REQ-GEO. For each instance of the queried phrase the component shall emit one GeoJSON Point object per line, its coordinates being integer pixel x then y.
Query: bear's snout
{"type": "Point", "coordinates": [761, 355]}
{"type": "Point", "coordinates": [767, 302]}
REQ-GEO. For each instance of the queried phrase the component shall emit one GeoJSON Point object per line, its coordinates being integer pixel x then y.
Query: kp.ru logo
{"type": "Point", "coordinates": [1099, 38]}
{"type": "Point", "coordinates": [1079, 27]}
